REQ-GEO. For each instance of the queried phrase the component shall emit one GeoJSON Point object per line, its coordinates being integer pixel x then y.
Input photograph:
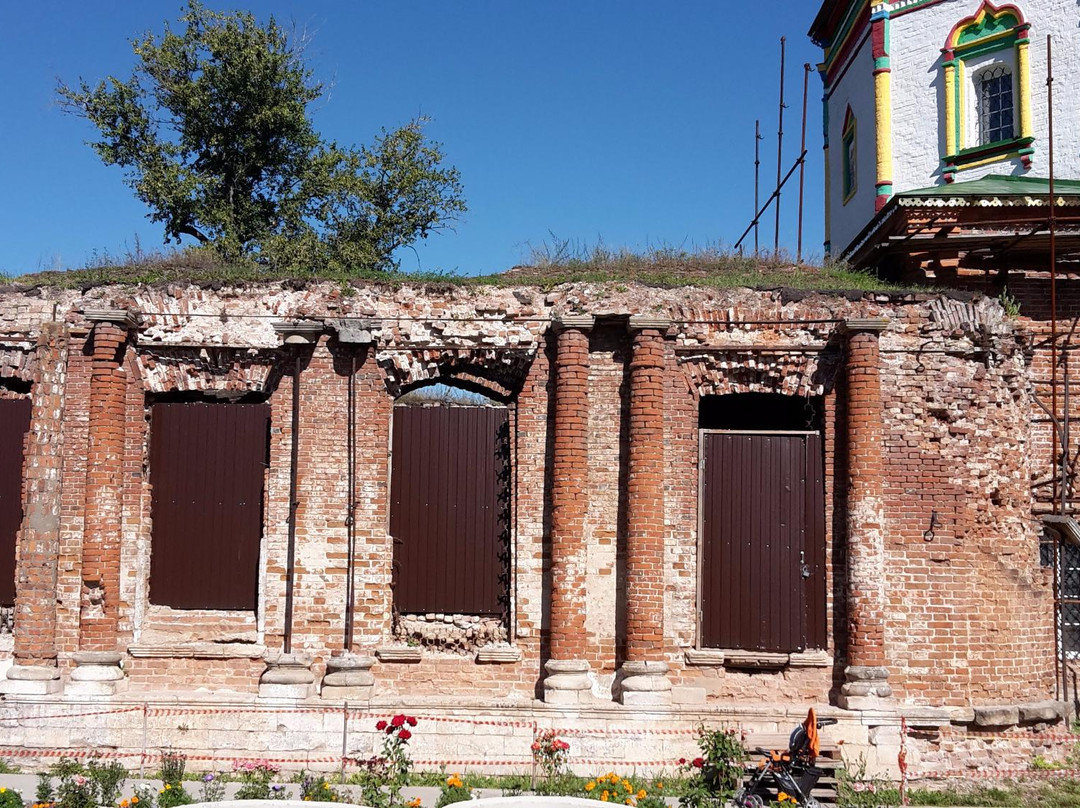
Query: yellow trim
{"type": "Point", "coordinates": [962, 78]}
{"type": "Point", "coordinates": [1024, 74]}
{"type": "Point", "coordinates": [988, 160]}
{"type": "Point", "coordinates": [828, 197]}
{"type": "Point", "coordinates": [883, 115]}
{"type": "Point", "coordinates": [950, 110]}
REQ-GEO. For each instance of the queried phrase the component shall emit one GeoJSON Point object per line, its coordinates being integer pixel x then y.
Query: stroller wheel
{"type": "Point", "coordinates": [744, 800]}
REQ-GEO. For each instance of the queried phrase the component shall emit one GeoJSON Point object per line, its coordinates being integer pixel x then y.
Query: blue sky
{"type": "Point", "coordinates": [630, 122]}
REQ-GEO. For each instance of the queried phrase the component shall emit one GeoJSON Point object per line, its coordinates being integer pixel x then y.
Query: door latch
{"type": "Point", "coordinates": [803, 568]}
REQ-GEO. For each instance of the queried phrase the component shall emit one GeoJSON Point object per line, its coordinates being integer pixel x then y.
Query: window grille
{"type": "Point", "coordinates": [995, 88]}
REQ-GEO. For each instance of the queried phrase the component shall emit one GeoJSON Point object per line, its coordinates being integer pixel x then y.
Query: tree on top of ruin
{"type": "Point", "coordinates": [213, 132]}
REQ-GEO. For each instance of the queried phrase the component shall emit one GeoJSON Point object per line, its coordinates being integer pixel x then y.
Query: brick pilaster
{"type": "Point", "coordinates": [866, 673]}
{"type": "Point", "coordinates": [39, 538]}
{"type": "Point", "coordinates": [100, 595]}
{"type": "Point", "coordinates": [645, 668]}
{"type": "Point", "coordinates": [567, 673]}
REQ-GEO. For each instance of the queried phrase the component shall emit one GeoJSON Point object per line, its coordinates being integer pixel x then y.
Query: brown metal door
{"type": "Point", "coordinates": [14, 424]}
{"type": "Point", "coordinates": [207, 465]}
{"type": "Point", "coordinates": [763, 554]}
{"type": "Point", "coordinates": [447, 511]}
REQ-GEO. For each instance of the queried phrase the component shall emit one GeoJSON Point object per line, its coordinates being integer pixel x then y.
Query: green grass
{"type": "Point", "coordinates": [549, 266]}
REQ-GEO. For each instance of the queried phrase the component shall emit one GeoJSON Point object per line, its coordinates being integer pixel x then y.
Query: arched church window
{"type": "Point", "coordinates": [850, 156]}
{"type": "Point", "coordinates": [996, 110]}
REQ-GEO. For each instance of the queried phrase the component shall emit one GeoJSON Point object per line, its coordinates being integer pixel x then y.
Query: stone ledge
{"type": "Point", "coordinates": [200, 650]}
{"type": "Point", "coordinates": [498, 654]}
{"type": "Point", "coordinates": [396, 653]}
{"type": "Point", "coordinates": [755, 660]}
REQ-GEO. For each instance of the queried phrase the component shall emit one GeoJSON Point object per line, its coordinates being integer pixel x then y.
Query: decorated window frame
{"type": "Point", "coordinates": [849, 156]}
{"type": "Point", "coordinates": [993, 38]}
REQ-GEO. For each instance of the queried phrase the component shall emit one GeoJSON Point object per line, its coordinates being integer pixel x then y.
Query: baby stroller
{"type": "Point", "coordinates": [791, 772]}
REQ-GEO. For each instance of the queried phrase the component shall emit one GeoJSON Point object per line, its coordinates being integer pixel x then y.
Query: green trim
{"type": "Point", "coordinates": [990, 26]}
{"type": "Point", "coordinates": [988, 47]}
{"type": "Point", "coordinates": [989, 150]}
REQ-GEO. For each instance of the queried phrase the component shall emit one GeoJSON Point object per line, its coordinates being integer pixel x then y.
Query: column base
{"type": "Point", "coordinates": [97, 673]}
{"type": "Point", "coordinates": [567, 682]}
{"type": "Point", "coordinates": [348, 677]}
{"type": "Point", "coordinates": [644, 684]}
{"type": "Point", "coordinates": [865, 688]}
{"type": "Point", "coordinates": [287, 676]}
{"type": "Point", "coordinates": [32, 680]}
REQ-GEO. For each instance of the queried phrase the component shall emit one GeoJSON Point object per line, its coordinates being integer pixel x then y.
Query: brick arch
{"type": "Point", "coordinates": [499, 374]}
{"type": "Point", "coordinates": [17, 362]}
{"type": "Point", "coordinates": [796, 374]}
{"type": "Point", "coordinates": [208, 369]}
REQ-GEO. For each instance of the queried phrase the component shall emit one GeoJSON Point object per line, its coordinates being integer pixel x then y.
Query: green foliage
{"type": "Point", "coordinates": [7, 767]}
{"type": "Point", "coordinates": [169, 796]}
{"type": "Point", "coordinates": [382, 777]}
{"type": "Point", "coordinates": [856, 789]}
{"type": "Point", "coordinates": [10, 798]}
{"type": "Point", "coordinates": [212, 130]}
{"type": "Point", "coordinates": [79, 786]}
{"type": "Point", "coordinates": [716, 773]}
{"type": "Point", "coordinates": [44, 793]}
{"type": "Point", "coordinates": [452, 790]}
{"type": "Point", "coordinates": [108, 779]}
{"type": "Point", "coordinates": [256, 778]}
{"type": "Point", "coordinates": [211, 788]}
{"type": "Point", "coordinates": [993, 797]}
{"type": "Point", "coordinates": [315, 788]}
{"type": "Point", "coordinates": [73, 789]}
{"type": "Point", "coordinates": [1009, 303]}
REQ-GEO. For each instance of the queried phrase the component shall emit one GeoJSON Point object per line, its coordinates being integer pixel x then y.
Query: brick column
{"type": "Point", "coordinates": [866, 677]}
{"type": "Point", "coordinates": [99, 656]}
{"type": "Point", "coordinates": [643, 678]}
{"type": "Point", "coordinates": [35, 670]}
{"type": "Point", "coordinates": [567, 679]}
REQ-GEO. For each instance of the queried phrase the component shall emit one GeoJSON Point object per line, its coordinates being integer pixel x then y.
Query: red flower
{"type": "Point", "coordinates": [397, 720]}
{"type": "Point", "coordinates": [380, 726]}
{"type": "Point", "coordinates": [698, 762]}
{"type": "Point", "coordinates": [410, 720]}
{"type": "Point", "coordinates": [404, 735]}
{"type": "Point", "coordinates": [682, 761]}
{"type": "Point", "coordinates": [536, 746]}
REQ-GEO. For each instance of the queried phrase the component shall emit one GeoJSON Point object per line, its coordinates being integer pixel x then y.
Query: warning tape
{"type": "Point", "coordinates": [53, 716]}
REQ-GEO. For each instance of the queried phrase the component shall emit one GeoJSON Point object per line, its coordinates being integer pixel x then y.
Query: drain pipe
{"type": "Point", "coordinates": [294, 503]}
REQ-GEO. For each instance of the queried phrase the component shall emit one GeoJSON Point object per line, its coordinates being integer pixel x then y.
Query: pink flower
{"type": "Point", "coordinates": [80, 780]}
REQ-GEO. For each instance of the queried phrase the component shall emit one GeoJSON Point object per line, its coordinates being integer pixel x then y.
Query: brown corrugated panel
{"type": "Point", "coordinates": [14, 423]}
{"type": "Point", "coordinates": [207, 463]}
{"type": "Point", "coordinates": [446, 510]}
{"type": "Point", "coordinates": [760, 524]}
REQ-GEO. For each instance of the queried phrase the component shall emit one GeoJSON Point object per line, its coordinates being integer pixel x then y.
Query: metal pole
{"type": "Point", "coordinates": [290, 561]}
{"type": "Point", "coordinates": [757, 177]}
{"type": "Point", "coordinates": [344, 737]}
{"type": "Point", "coordinates": [779, 149]}
{"type": "Point", "coordinates": [802, 150]}
{"type": "Point", "coordinates": [774, 195]}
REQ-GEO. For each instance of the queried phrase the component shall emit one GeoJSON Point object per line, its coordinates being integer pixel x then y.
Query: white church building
{"type": "Point", "coordinates": [920, 94]}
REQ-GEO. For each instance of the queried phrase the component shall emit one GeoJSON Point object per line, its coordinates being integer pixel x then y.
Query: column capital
{"type": "Point", "coordinates": [126, 319]}
{"type": "Point", "coordinates": [299, 332]}
{"type": "Point", "coordinates": [641, 322]}
{"type": "Point", "coordinates": [866, 324]}
{"type": "Point", "coordinates": [580, 322]}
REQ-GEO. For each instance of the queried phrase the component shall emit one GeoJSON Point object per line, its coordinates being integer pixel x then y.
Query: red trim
{"type": "Point", "coordinates": [995, 11]}
{"type": "Point", "coordinates": [854, 38]}
{"type": "Point", "coordinates": [880, 201]}
{"type": "Point", "coordinates": [909, 9]}
{"type": "Point", "coordinates": [877, 38]}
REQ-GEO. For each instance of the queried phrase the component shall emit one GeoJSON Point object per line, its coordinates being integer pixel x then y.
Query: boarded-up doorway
{"type": "Point", "coordinates": [762, 541]}
{"type": "Point", "coordinates": [14, 423]}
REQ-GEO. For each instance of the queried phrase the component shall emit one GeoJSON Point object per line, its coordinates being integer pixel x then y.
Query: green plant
{"type": "Point", "coordinates": [452, 790]}
{"type": "Point", "coordinates": [212, 788]}
{"type": "Point", "coordinates": [256, 777]}
{"type": "Point", "coordinates": [314, 788]}
{"type": "Point", "coordinates": [381, 777]}
{"type": "Point", "coordinates": [7, 767]}
{"type": "Point", "coordinates": [10, 798]}
{"type": "Point", "coordinates": [74, 789]}
{"type": "Point", "coordinates": [1009, 303]}
{"type": "Point", "coordinates": [108, 779]}
{"type": "Point", "coordinates": [632, 791]}
{"type": "Point", "coordinates": [716, 773]}
{"type": "Point", "coordinates": [44, 794]}
{"type": "Point", "coordinates": [549, 753]}
{"type": "Point", "coordinates": [856, 789]}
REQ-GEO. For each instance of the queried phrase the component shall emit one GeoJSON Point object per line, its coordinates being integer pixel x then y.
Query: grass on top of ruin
{"type": "Point", "coordinates": [547, 266]}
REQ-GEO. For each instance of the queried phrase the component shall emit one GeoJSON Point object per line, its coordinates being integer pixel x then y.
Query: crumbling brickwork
{"type": "Point", "coordinates": [926, 420]}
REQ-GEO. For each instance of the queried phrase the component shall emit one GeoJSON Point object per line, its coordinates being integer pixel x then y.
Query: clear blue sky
{"type": "Point", "coordinates": [630, 121]}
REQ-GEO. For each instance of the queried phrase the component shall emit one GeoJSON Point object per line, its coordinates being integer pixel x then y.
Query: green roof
{"type": "Point", "coordinates": [1000, 185]}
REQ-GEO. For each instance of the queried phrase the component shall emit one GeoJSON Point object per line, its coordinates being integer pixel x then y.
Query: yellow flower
{"type": "Point", "coordinates": [660, 784]}
{"type": "Point", "coordinates": [589, 786]}
{"type": "Point", "coordinates": [604, 796]}
{"type": "Point", "coordinates": [626, 784]}
{"type": "Point", "coordinates": [414, 802]}
{"type": "Point", "coordinates": [134, 800]}
{"type": "Point", "coordinates": [162, 791]}
{"type": "Point", "coordinates": [641, 794]}
{"type": "Point", "coordinates": [628, 801]}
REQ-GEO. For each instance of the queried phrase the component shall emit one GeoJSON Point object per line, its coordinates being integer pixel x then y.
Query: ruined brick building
{"type": "Point", "coordinates": [616, 510]}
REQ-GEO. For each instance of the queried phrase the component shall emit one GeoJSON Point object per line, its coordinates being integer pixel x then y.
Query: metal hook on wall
{"type": "Point", "coordinates": [928, 534]}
